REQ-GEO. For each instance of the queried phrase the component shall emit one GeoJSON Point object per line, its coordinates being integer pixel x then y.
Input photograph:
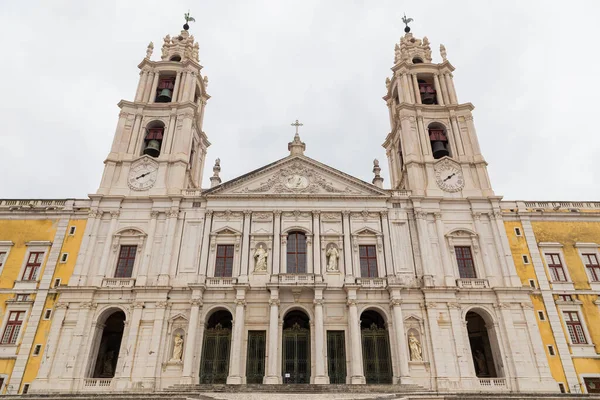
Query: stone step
{"type": "Point", "coordinates": [297, 388]}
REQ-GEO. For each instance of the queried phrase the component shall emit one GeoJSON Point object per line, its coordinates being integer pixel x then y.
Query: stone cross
{"type": "Point", "coordinates": [297, 124]}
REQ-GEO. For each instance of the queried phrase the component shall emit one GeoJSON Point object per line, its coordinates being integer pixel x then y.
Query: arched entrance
{"type": "Point", "coordinates": [377, 361]}
{"type": "Point", "coordinates": [110, 344]}
{"type": "Point", "coordinates": [481, 349]}
{"type": "Point", "coordinates": [214, 364]}
{"type": "Point", "coordinates": [296, 348]}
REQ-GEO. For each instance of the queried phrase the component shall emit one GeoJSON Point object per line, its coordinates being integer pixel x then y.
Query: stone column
{"type": "Point", "coordinates": [60, 312]}
{"type": "Point", "coordinates": [309, 255]}
{"type": "Point", "coordinates": [473, 135]}
{"type": "Point", "coordinates": [320, 374]}
{"type": "Point", "coordinates": [506, 343]}
{"type": "Point", "coordinates": [464, 359]}
{"type": "Point", "coordinates": [85, 309]}
{"type": "Point", "coordinates": [416, 87]}
{"type": "Point", "coordinates": [114, 215]}
{"type": "Point", "coordinates": [235, 377]}
{"type": "Point", "coordinates": [423, 134]}
{"type": "Point", "coordinates": [447, 265]}
{"type": "Point", "coordinates": [425, 247]}
{"type": "Point", "coordinates": [450, 86]}
{"type": "Point", "coordinates": [142, 275]}
{"type": "Point", "coordinates": [176, 88]}
{"type": "Point", "coordinates": [203, 267]}
{"type": "Point", "coordinates": [487, 266]}
{"type": "Point", "coordinates": [460, 148]}
{"type": "Point", "coordinates": [540, 359]}
{"type": "Point", "coordinates": [152, 365]}
{"type": "Point", "coordinates": [163, 277]}
{"type": "Point", "coordinates": [190, 346]}
{"type": "Point", "coordinates": [283, 255]}
{"type": "Point", "coordinates": [189, 86]}
{"type": "Point", "coordinates": [438, 89]}
{"type": "Point", "coordinates": [139, 94]}
{"type": "Point", "coordinates": [152, 93]}
{"type": "Point", "coordinates": [444, 89]}
{"type": "Point", "coordinates": [356, 362]}
{"type": "Point", "coordinates": [438, 348]}
{"type": "Point", "coordinates": [131, 343]}
{"type": "Point", "coordinates": [387, 244]}
{"type": "Point", "coordinates": [504, 252]}
{"type": "Point", "coordinates": [86, 250]}
{"type": "Point", "coordinates": [276, 256]}
{"type": "Point", "coordinates": [347, 247]}
{"type": "Point", "coordinates": [401, 343]}
{"type": "Point", "coordinates": [406, 90]}
{"type": "Point", "coordinates": [273, 377]}
{"type": "Point", "coordinates": [317, 268]}
{"type": "Point", "coordinates": [245, 254]}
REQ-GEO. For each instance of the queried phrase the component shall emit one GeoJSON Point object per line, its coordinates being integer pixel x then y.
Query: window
{"type": "Point", "coordinates": [2, 258]}
{"type": "Point", "coordinates": [13, 327]}
{"type": "Point", "coordinates": [541, 316]}
{"type": "Point", "coordinates": [565, 297]}
{"type": "Point", "coordinates": [72, 230]}
{"type": "Point", "coordinates": [438, 140]}
{"type": "Point", "coordinates": [32, 268]}
{"type": "Point", "coordinates": [57, 282]}
{"type": "Point", "coordinates": [518, 232]}
{"type": "Point", "coordinates": [561, 387]}
{"type": "Point", "coordinates": [296, 253]}
{"type": "Point", "coordinates": [574, 327]}
{"type": "Point", "coordinates": [25, 388]}
{"type": "Point", "coordinates": [525, 259]}
{"type": "Point", "coordinates": [592, 384]}
{"type": "Point", "coordinates": [532, 283]}
{"type": "Point", "coordinates": [125, 262]}
{"type": "Point", "coordinates": [591, 263]}
{"type": "Point", "coordinates": [224, 263]}
{"type": "Point", "coordinates": [1, 383]}
{"type": "Point", "coordinates": [557, 272]}
{"type": "Point", "coordinates": [64, 257]}
{"type": "Point", "coordinates": [464, 259]}
{"type": "Point", "coordinates": [164, 91]}
{"type": "Point", "coordinates": [22, 297]}
{"type": "Point", "coordinates": [551, 350]}
{"type": "Point", "coordinates": [48, 313]}
{"type": "Point", "coordinates": [368, 261]}
{"type": "Point", "coordinates": [153, 141]}
{"type": "Point", "coordinates": [37, 349]}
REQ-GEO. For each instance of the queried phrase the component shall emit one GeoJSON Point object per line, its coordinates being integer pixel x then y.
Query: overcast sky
{"type": "Point", "coordinates": [531, 68]}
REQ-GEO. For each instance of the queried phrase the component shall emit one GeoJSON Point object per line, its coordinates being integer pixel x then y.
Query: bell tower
{"type": "Point", "coordinates": [432, 147]}
{"type": "Point", "coordinates": [159, 147]}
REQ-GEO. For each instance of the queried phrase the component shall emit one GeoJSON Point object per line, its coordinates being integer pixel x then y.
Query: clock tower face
{"type": "Point", "coordinates": [143, 174]}
{"type": "Point", "coordinates": [449, 176]}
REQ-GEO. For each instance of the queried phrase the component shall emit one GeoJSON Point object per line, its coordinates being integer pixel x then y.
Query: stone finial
{"type": "Point", "coordinates": [411, 47]}
{"type": "Point", "coordinates": [216, 179]}
{"type": "Point", "coordinates": [296, 146]}
{"type": "Point", "coordinates": [388, 82]}
{"type": "Point", "coordinates": [443, 52]}
{"type": "Point", "coordinates": [205, 81]}
{"type": "Point", "coordinates": [377, 180]}
{"type": "Point", "coordinates": [149, 50]}
{"type": "Point", "coordinates": [182, 46]}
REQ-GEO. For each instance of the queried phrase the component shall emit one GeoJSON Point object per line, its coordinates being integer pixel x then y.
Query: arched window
{"type": "Point", "coordinates": [439, 140]}
{"type": "Point", "coordinates": [417, 60]}
{"type": "Point", "coordinates": [155, 131]}
{"type": "Point", "coordinates": [164, 90]}
{"type": "Point", "coordinates": [427, 89]}
{"type": "Point", "coordinates": [175, 58]}
{"type": "Point", "coordinates": [296, 253]}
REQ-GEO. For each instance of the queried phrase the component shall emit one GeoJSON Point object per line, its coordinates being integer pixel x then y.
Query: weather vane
{"type": "Point", "coordinates": [187, 19]}
{"type": "Point", "coordinates": [406, 22]}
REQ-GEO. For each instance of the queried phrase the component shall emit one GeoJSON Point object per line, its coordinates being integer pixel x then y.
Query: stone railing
{"type": "Point", "coordinates": [472, 283]}
{"type": "Point", "coordinates": [372, 283]}
{"type": "Point", "coordinates": [492, 383]}
{"type": "Point", "coordinates": [220, 282]}
{"type": "Point", "coordinates": [118, 282]}
{"type": "Point", "coordinates": [96, 383]}
{"type": "Point", "coordinates": [401, 193]}
{"type": "Point", "coordinates": [296, 279]}
{"type": "Point", "coordinates": [191, 192]}
{"type": "Point", "coordinates": [32, 203]}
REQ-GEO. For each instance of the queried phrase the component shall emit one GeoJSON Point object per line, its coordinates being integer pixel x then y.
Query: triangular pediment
{"type": "Point", "coordinates": [296, 176]}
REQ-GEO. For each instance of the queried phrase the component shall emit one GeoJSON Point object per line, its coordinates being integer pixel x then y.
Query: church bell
{"type": "Point", "coordinates": [439, 149]}
{"type": "Point", "coordinates": [164, 96]}
{"type": "Point", "coordinates": [153, 148]}
{"type": "Point", "coordinates": [428, 98]}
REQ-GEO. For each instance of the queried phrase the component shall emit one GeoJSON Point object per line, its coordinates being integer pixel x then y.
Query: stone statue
{"type": "Point", "coordinates": [443, 52]}
{"type": "Point", "coordinates": [205, 80]}
{"type": "Point", "coordinates": [149, 50]}
{"type": "Point", "coordinates": [388, 82]}
{"type": "Point", "coordinates": [195, 50]}
{"type": "Point", "coordinates": [260, 257]}
{"type": "Point", "coordinates": [177, 348]}
{"type": "Point", "coordinates": [332, 258]}
{"type": "Point", "coordinates": [416, 351]}
{"type": "Point", "coordinates": [480, 363]}
{"type": "Point", "coordinates": [107, 365]}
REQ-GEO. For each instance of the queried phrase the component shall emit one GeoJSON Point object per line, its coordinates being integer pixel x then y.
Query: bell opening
{"type": "Point", "coordinates": [152, 148]}
{"type": "Point", "coordinates": [417, 60]}
{"type": "Point", "coordinates": [164, 91]}
{"type": "Point", "coordinates": [439, 141]}
{"type": "Point", "coordinates": [154, 136]}
{"type": "Point", "coordinates": [175, 58]}
{"type": "Point", "coordinates": [427, 90]}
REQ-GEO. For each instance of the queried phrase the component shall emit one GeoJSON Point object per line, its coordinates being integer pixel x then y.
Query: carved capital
{"type": "Point", "coordinates": [395, 303]}
{"type": "Point", "coordinates": [274, 302]}
{"type": "Point", "coordinates": [277, 213]}
{"type": "Point", "coordinates": [477, 216]}
{"type": "Point", "coordinates": [352, 303]}
{"type": "Point", "coordinates": [154, 214]}
{"type": "Point", "coordinates": [115, 214]}
{"type": "Point", "coordinates": [138, 304]}
{"type": "Point", "coordinates": [174, 213]}
{"type": "Point", "coordinates": [240, 302]}
{"type": "Point", "coordinates": [316, 213]}
{"type": "Point", "coordinates": [437, 216]}
{"type": "Point", "coordinates": [247, 213]}
{"type": "Point", "coordinates": [196, 303]}
{"type": "Point", "coordinates": [208, 213]}
{"type": "Point", "coordinates": [61, 305]}
{"type": "Point", "coordinates": [346, 213]}
{"type": "Point", "coordinates": [504, 306]}
{"type": "Point", "coordinates": [527, 306]}
{"type": "Point", "coordinates": [87, 305]}
{"type": "Point", "coordinates": [431, 305]}
{"type": "Point", "coordinates": [318, 302]}
{"type": "Point", "coordinates": [420, 214]}
{"type": "Point", "coordinates": [94, 213]}
{"type": "Point", "coordinates": [469, 118]}
{"type": "Point", "coordinates": [384, 213]}
{"type": "Point", "coordinates": [456, 306]}
{"type": "Point", "coordinates": [161, 304]}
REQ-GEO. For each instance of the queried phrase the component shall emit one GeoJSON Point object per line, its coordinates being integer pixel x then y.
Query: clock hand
{"type": "Point", "coordinates": [142, 175]}
{"type": "Point", "coordinates": [454, 173]}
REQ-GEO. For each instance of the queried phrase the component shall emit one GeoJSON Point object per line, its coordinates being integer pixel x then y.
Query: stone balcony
{"type": "Point", "coordinates": [492, 384]}
{"type": "Point", "coordinates": [220, 282]}
{"type": "Point", "coordinates": [472, 283]}
{"type": "Point", "coordinates": [97, 384]}
{"type": "Point", "coordinates": [296, 279]}
{"type": "Point", "coordinates": [372, 283]}
{"type": "Point", "coordinates": [118, 282]}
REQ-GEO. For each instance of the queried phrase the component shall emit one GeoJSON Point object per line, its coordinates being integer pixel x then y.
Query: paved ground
{"type": "Point", "coordinates": [287, 396]}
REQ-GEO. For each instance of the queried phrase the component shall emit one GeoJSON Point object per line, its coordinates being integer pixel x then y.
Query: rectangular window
{"type": "Point", "coordinates": [464, 259]}
{"type": "Point", "coordinates": [48, 313]}
{"type": "Point", "coordinates": [551, 350]}
{"type": "Point", "coordinates": [541, 316]}
{"type": "Point", "coordinates": [37, 349]}
{"type": "Point", "coordinates": [296, 253]}
{"type": "Point", "coordinates": [592, 384]}
{"type": "Point", "coordinates": [591, 263]}
{"type": "Point", "coordinates": [532, 283]}
{"type": "Point", "coordinates": [525, 259]}
{"type": "Point", "coordinates": [574, 327]}
{"type": "Point", "coordinates": [72, 230]}
{"type": "Point", "coordinates": [565, 297]}
{"type": "Point", "coordinates": [125, 262]}
{"type": "Point", "coordinates": [22, 297]}
{"type": "Point", "coordinates": [25, 388]}
{"type": "Point", "coordinates": [57, 282]}
{"type": "Point", "coordinates": [368, 261]}
{"type": "Point", "coordinates": [13, 327]}
{"type": "Point", "coordinates": [557, 272]}
{"type": "Point", "coordinates": [2, 258]}
{"type": "Point", "coordinates": [64, 257]}
{"type": "Point", "coordinates": [561, 387]}
{"type": "Point", "coordinates": [518, 231]}
{"type": "Point", "coordinates": [224, 263]}
{"type": "Point", "coordinates": [33, 265]}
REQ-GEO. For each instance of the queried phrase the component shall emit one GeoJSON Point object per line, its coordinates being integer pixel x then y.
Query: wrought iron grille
{"type": "Point", "coordinates": [214, 366]}
{"type": "Point", "coordinates": [376, 355]}
{"type": "Point", "coordinates": [336, 356]}
{"type": "Point", "coordinates": [296, 355]}
{"type": "Point", "coordinates": [255, 361]}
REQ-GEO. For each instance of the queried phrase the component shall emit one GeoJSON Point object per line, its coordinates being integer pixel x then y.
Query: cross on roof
{"type": "Point", "coordinates": [297, 125]}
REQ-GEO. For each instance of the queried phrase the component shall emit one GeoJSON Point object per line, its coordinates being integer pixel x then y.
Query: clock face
{"type": "Point", "coordinates": [143, 176]}
{"type": "Point", "coordinates": [449, 176]}
{"type": "Point", "coordinates": [296, 181]}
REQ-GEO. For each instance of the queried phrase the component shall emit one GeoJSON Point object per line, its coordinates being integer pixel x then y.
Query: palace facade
{"type": "Point", "coordinates": [297, 272]}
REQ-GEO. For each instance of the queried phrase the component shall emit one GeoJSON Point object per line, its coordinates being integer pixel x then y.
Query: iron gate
{"type": "Point", "coordinates": [214, 366]}
{"type": "Point", "coordinates": [376, 355]}
{"type": "Point", "coordinates": [336, 356]}
{"type": "Point", "coordinates": [255, 360]}
{"type": "Point", "coordinates": [296, 355]}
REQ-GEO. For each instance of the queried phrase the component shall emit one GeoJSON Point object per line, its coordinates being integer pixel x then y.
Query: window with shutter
{"type": "Point", "coordinates": [125, 262]}
{"type": "Point", "coordinates": [13, 327]}
{"type": "Point", "coordinates": [464, 259]}
{"type": "Point", "coordinates": [34, 263]}
{"type": "Point", "coordinates": [368, 261]}
{"type": "Point", "coordinates": [555, 266]}
{"type": "Point", "coordinates": [224, 260]}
